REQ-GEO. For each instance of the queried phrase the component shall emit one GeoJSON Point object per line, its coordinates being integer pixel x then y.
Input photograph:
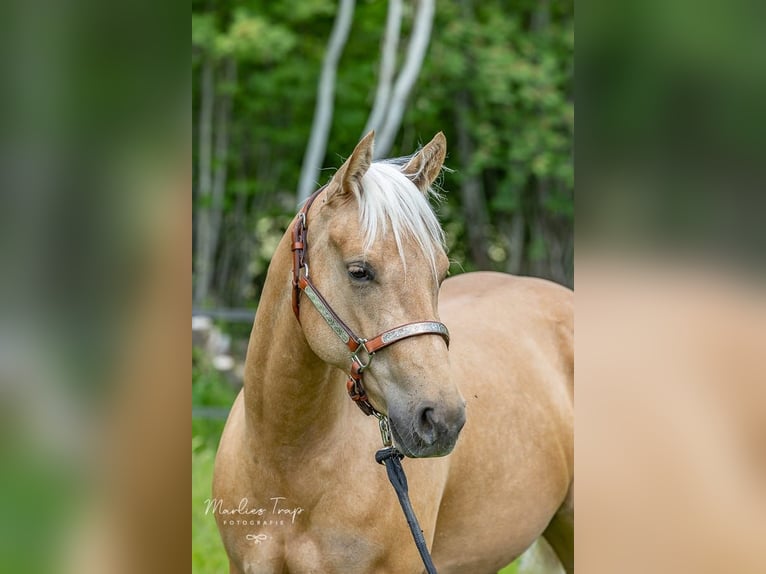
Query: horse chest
{"type": "Point", "coordinates": [322, 524]}
{"type": "Point", "coordinates": [319, 551]}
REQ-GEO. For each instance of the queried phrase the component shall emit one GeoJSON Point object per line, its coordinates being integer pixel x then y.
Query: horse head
{"type": "Point", "coordinates": [377, 253]}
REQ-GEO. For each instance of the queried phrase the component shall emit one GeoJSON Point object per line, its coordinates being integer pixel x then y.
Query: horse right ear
{"type": "Point", "coordinates": [347, 181]}
{"type": "Point", "coordinates": [425, 166]}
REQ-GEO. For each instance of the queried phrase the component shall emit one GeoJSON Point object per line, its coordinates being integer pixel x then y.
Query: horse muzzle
{"type": "Point", "coordinates": [432, 430]}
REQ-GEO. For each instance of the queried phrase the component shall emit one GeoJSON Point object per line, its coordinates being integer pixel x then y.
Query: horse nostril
{"type": "Point", "coordinates": [427, 426]}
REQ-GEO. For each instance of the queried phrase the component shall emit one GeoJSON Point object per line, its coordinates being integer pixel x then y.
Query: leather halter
{"type": "Point", "coordinates": [362, 350]}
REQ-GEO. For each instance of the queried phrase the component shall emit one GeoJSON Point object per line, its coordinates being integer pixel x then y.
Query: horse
{"type": "Point", "coordinates": [482, 408]}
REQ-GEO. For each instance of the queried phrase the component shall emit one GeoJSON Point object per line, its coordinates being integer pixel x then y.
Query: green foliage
{"type": "Point", "coordinates": [255, 38]}
{"type": "Point", "coordinates": [248, 37]}
{"type": "Point", "coordinates": [514, 67]}
{"type": "Point", "coordinates": [203, 31]}
{"type": "Point", "coordinates": [209, 388]}
{"type": "Point", "coordinates": [520, 88]}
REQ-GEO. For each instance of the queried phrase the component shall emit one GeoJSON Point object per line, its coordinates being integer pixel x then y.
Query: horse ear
{"type": "Point", "coordinates": [348, 179]}
{"type": "Point", "coordinates": [424, 167]}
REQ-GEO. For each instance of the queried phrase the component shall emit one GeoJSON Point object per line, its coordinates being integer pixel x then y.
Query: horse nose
{"type": "Point", "coordinates": [438, 425]}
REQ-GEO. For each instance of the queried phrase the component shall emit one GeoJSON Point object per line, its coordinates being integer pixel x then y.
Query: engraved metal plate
{"type": "Point", "coordinates": [426, 327]}
{"type": "Point", "coordinates": [325, 312]}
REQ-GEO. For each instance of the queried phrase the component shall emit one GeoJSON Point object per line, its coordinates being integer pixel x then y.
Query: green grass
{"type": "Point", "coordinates": [208, 389]}
{"type": "Point", "coordinates": [208, 556]}
{"type": "Point", "coordinates": [510, 569]}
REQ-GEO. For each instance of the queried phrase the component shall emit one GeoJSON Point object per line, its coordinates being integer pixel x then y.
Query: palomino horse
{"type": "Point", "coordinates": [296, 487]}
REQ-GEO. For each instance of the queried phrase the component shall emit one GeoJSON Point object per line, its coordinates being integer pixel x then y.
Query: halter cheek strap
{"type": "Point", "coordinates": [362, 350]}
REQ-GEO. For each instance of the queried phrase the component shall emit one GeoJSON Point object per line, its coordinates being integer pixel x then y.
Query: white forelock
{"type": "Point", "coordinates": [390, 202]}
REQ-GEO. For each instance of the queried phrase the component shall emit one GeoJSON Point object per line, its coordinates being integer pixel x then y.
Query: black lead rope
{"type": "Point", "coordinates": [391, 458]}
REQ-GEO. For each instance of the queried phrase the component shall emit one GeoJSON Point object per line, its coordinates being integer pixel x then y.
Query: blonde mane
{"type": "Point", "coordinates": [391, 202]}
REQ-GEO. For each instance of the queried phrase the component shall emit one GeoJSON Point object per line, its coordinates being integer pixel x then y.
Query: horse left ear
{"type": "Point", "coordinates": [348, 179]}
{"type": "Point", "coordinates": [424, 167]}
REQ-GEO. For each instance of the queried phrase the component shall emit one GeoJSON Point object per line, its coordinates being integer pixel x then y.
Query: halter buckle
{"type": "Point", "coordinates": [361, 365]}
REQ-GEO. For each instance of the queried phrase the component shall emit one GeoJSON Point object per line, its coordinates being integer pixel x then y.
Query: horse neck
{"type": "Point", "coordinates": [292, 398]}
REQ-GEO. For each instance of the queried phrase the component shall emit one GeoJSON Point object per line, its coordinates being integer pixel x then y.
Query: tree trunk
{"type": "Point", "coordinates": [223, 119]}
{"type": "Point", "coordinates": [320, 128]}
{"type": "Point", "coordinates": [472, 197]}
{"type": "Point", "coordinates": [233, 231]}
{"type": "Point", "coordinates": [387, 66]}
{"type": "Point", "coordinates": [472, 193]}
{"type": "Point", "coordinates": [204, 189]}
{"type": "Point", "coordinates": [513, 231]}
{"type": "Point", "coordinates": [416, 52]}
{"type": "Point", "coordinates": [212, 207]}
{"type": "Point", "coordinates": [541, 18]}
{"type": "Point", "coordinates": [538, 263]}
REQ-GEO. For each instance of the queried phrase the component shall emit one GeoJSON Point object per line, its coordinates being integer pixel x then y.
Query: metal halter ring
{"type": "Point", "coordinates": [355, 356]}
{"type": "Point", "coordinates": [385, 429]}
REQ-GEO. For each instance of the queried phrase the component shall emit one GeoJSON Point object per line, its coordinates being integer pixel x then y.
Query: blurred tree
{"type": "Point", "coordinates": [388, 52]}
{"type": "Point", "coordinates": [392, 102]}
{"type": "Point", "coordinates": [320, 127]}
{"type": "Point", "coordinates": [496, 77]}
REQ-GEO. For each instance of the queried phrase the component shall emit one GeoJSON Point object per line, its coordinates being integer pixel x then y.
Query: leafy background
{"type": "Point", "coordinates": [497, 80]}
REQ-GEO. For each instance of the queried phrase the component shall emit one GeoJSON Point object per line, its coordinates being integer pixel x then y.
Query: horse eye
{"type": "Point", "coordinates": [360, 273]}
